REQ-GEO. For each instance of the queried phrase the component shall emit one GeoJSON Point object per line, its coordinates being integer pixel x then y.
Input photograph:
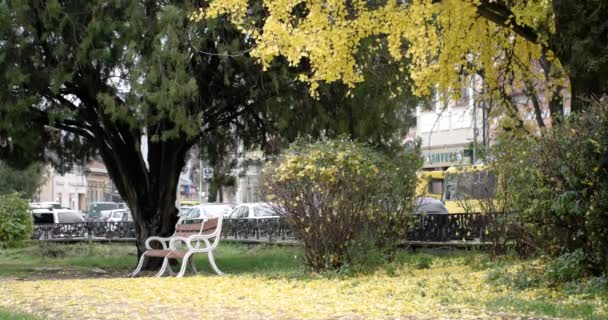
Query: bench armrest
{"type": "Point", "coordinates": [198, 238]}
{"type": "Point", "coordinates": [175, 240]}
{"type": "Point", "coordinates": [163, 242]}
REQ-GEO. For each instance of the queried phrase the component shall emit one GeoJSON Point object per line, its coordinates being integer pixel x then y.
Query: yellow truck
{"type": "Point", "coordinates": [469, 189]}
{"type": "Point", "coordinates": [430, 184]}
{"type": "Point", "coordinates": [462, 189]}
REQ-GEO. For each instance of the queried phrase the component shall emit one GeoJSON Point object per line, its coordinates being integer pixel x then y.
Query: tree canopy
{"type": "Point", "coordinates": [25, 182]}
{"type": "Point", "coordinates": [91, 78]}
{"type": "Point", "coordinates": [139, 83]}
{"type": "Point", "coordinates": [557, 42]}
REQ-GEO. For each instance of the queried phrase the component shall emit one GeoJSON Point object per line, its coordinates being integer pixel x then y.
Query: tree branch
{"type": "Point", "coordinates": [499, 13]}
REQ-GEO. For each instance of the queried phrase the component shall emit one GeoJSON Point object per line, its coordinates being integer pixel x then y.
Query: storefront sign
{"type": "Point", "coordinates": [444, 159]}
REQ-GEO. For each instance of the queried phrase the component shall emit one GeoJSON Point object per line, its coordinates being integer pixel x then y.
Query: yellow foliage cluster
{"type": "Point", "coordinates": [448, 290]}
{"type": "Point", "coordinates": [324, 167]}
{"type": "Point", "coordinates": [443, 40]}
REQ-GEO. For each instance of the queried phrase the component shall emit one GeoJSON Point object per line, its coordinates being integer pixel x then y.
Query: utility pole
{"type": "Point", "coordinates": [474, 132]}
{"type": "Point", "coordinates": [200, 181]}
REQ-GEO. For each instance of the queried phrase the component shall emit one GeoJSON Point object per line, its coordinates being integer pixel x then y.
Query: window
{"type": "Point", "coordinates": [40, 218]}
{"type": "Point", "coordinates": [68, 217]}
{"type": "Point", "coordinates": [263, 212]}
{"type": "Point", "coordinates": [464, 95]}
{"type": "Point", "coordinates": [240, 212]}
{"type": "Point", "coordinates": [127, 216]}
{"type": "Point", "coordinates": [471, 185]}
{"type": "Point", "coordinates": [194, 213]}
{"type": "Point", "coordinates": [436, 186]}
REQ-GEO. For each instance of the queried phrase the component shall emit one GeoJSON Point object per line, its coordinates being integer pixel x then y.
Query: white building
{"type": "Point", "coordinates": [69, 189]}
{"type": "Point", "coordinates": [248, 174]}
{"type": "Point", "coordinates": [448, 130]}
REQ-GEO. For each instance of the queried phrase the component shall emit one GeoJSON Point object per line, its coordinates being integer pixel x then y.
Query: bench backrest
{"type": "Point", "coordinates": [187, 229]}
{"type": "Point", "coordinates": [211, 227]}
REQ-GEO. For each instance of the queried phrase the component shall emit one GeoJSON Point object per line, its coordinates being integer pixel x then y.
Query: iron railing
{"type": "Point", "coordinates": [428, 227]}
{"type": "Point", "coordinates": [84, 231]}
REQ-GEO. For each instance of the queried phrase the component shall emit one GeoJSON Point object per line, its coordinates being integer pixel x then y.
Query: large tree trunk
{"type": "Point", "coordinates": [148, 185]}
{"type": "Point", "coordinates": [156, 222]}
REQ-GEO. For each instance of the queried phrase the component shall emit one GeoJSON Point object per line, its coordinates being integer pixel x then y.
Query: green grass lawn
{"type": "Point", "coordinates": [438, 283]}
{"type": "Point", "coordinates": [11, 315]}
{"type": "Point", "coordinates": [53, 259]}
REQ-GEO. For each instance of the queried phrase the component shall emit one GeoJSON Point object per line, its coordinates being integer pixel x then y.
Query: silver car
{"type": "Point", "coordinates": [258, 210]}
{"type": "Point", "coordinates": [428, 205]}
{"type": "Point", "coordinates": [208, 210]}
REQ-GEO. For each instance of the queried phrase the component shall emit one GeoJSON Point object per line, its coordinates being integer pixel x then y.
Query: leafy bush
{"type": "Point", "coordinates": [592, 286]}
{"type": "Point", "coordinates": [567, 267]}
{"type": "Point", "coordinates": [16, 223]}
{"type": "Point", "coordinates": [557, 186]}
{"type": "Point", "coordinates": [340, 196]}
{"type": "Point", "coordinates": [521, 279]}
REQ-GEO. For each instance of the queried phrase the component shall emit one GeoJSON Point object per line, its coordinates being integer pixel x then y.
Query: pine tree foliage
{"type": "Point", "coordinates": [82, 79]}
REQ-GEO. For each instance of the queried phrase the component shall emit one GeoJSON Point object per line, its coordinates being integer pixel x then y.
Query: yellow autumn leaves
{"type": "Point", "coordinates": [324, 167]}
{"type": "Point", "coordinates": [447, 290]}
{"type": "Point", "coordinates": [443, 40]}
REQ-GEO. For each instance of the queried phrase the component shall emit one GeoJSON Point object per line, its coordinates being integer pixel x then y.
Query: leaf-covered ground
{"type": "Point", "coordinates": [436, 287]}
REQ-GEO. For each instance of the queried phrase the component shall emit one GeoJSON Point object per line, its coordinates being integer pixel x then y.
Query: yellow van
{"type": "Point", "coordinates": [430, 184]}
{"type": "Point", "coordinates": [469, 189]}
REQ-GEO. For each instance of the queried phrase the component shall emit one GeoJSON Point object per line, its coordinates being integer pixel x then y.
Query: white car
{"type": "Point", "coordinates": [95, 209]}
{"type": "Point", "coordinates": [52, 212]}
{"type": "Point", "coordinates": [258, 210]}
{"type": "Point", "coordinates": [118, 215]}
{"type": "Point", "coordinates": [209, 210]}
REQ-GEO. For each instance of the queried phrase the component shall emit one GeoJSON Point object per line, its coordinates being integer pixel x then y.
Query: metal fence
{"type": "Point", "coordinates": [84, 231]}
{"type": "Point", "coordinates": [450, 227]}
{"type": "Point", "coordinates": [425, 228]}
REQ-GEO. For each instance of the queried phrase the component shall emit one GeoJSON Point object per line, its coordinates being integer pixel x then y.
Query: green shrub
{"type": "Point", "coordinates": [567, 267]}
{"type": "Point", "coordinates": [556, 185]}
{"type": "Point", "coordinates": [16, 223]}
{"type": "Point", "coordinates": [521, 279]}
{"type": "Point", "coordinates": [339, 195]}
{"type": "Point", "coordinates": [593, 286]}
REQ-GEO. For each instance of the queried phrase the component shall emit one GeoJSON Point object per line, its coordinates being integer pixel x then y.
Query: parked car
{"type": "Point", "coordinates": [428, 205]}
{"type": "Point", "coordinates": [52, 212]}
{"type": "Point", "coordinates": [183, 210]}
{"type": "Point", "coordinates": [257, 210]}
{"type": "Point", "coordinates": [44, 205]}
{"type": "Point", "coordinates": [118, 215]}
{"type": "Point", "coordinates": [95, 209]}
{"type": "Point", "coordinates": [209, 210]}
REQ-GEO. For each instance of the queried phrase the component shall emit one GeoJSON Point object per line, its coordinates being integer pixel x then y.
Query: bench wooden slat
{"type": "Point", "coordinates": [165, 253]}
{"type": "Point", "coordinates": [186, 230]}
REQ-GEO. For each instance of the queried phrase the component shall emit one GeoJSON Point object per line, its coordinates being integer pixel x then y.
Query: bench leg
{"type": "Point", "coordinates": [193, 266]}
{"type": "Point", "coordinates": [163, 268]}
{"type": "Point", "coordinates": [171, 272]}
{"type": "Point", "coordinates": [139, 265]}
{"type": "Point", "coordinates": [182, 270]}
{"type": "Point", "coordinates": [213, 265]}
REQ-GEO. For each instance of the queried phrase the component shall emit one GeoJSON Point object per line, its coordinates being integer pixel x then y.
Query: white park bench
{"type": "Point", "coordinates": [197, 238]}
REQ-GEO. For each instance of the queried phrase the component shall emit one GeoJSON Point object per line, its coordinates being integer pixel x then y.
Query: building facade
{"type": "Point", "coordinates": [447, 131]}
{"type": "Point", "coordinates": [69, 189]}
{"type": "Point", "coordinates": [100, 187]}
{"type": "Point", "coordinates": [79, 187]}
